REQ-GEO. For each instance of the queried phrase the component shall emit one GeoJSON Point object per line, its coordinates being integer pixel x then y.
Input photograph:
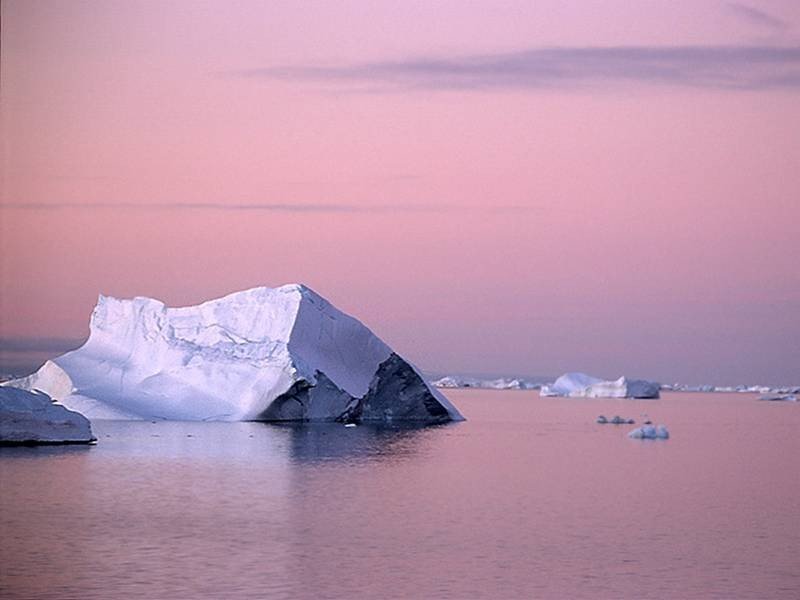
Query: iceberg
{"type": "Point", "coordinates": [581, 385]}
{"type": "Point", "coordinates": [569, 384]}
{"type": "Point", "coordinates": [650, 432]}
{"type": "Point", "coordinates": [33, 418]}
{"type": "Point", "coordinates": [264, 354]}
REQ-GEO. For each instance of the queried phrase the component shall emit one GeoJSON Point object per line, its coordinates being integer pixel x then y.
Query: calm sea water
{"type": "Point", "coordinates": [528, 498]}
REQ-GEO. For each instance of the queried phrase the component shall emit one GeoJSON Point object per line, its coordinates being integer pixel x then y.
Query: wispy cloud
{"type": "Point", "coordinates": [220, 206]}
{"type": "Point", "coordinates": [757, 16]}
{"type": "Point", "coordinates": [270, 207]}
{"type": "Point", "coordinates": [719, 67]}
{"type": "Point", "coordinates": [265, 207]}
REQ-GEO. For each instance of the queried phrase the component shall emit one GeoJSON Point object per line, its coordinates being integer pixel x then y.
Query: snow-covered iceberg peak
{"type": "Point", "coordinates": [260, 354]}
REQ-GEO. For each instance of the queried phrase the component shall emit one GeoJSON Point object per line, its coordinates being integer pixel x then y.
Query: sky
{"type": "Point", "coordinates": [521, 188]}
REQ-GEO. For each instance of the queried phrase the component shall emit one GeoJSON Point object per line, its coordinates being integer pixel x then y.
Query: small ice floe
{"type": "Point", "coordinates": [615, 420]}
{"type": "Point", "coordinates": [650, 432]}
{"type": "Point", "coordinates": [779, 397]}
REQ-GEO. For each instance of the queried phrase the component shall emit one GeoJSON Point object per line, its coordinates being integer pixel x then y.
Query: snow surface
{"type": "Point", "coordinates": [230, 359]}
{"type": "Point", "coordinates": [33, 418]}
{"type": "Point", "coordinates": [581, 385]}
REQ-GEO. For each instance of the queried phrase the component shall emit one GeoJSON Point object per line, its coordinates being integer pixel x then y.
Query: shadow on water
{"type": "Point", "coordinates": [322, 442]}
{"type": "Point", "coordinates": [261, 442]}
{"type": "Point", "coordinates": [44, 451]}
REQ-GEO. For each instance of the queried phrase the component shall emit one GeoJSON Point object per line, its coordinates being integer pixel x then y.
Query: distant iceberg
{"type": "Point", "coordinates": [581, 385]}
{"type": "Point", "coordinates": [449, 382]}
{"type": "Point", "coordinates": [282, 354]}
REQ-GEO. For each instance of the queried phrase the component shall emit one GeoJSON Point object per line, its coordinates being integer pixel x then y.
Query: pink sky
{"type": "Point", "coordinates": [484, 203]}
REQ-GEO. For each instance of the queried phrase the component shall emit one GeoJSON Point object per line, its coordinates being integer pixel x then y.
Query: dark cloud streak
{"type": "Point", "coordinates": [717, 67]}
{"type": "Point", "coordinates": [38, 344]}
{"type": "Point", "coordinates": [269, 207]}
{"type": "Point", "coordinates": [757, 16]}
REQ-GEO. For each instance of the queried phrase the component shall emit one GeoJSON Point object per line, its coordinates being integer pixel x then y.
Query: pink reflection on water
{"type": "Point", "coordinates": [528, 498]}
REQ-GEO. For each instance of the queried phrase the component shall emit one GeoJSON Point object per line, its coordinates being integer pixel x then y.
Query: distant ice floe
{"type": "Point", "coordinates": [502, 383]}
{"type": "Point", "coordinates": [581, 385]}
{"type": "Point", "coordinates": [779, 397]}
{"type": "Point", "coordinates": [615, 420]}
{"type": "Point", "coordinates": [741, 389]}
{"type": "Point", "coordinates": [650, 432]}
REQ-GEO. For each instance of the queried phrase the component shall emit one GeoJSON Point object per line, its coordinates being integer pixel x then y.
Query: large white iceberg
{"type": "Point", "coordinates": [33, 418]}
{"type": "Point", "coordinates": [282, 354]}
{"type": "Point", "coordinates": [581, 385]}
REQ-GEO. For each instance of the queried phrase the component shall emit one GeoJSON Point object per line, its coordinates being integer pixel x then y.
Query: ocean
{"type": "Point", "coordinates": [529, 498]}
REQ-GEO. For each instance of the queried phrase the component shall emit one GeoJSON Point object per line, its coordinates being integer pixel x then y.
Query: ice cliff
{"type": "Point", "coordinates": [264, 354]}
{"type": "Point", "coordinates": [33, 418]}
{"type": "Point", "coordinates": [581, 385]}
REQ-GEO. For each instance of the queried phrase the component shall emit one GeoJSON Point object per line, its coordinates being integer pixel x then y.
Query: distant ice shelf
{"type": "Point", "coordinates": [264, 354]}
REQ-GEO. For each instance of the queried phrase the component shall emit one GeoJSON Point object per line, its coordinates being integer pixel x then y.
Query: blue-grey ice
{"type": "Point", "coordinates": [650, 432]}
{"type": "Point", "coordinates": [33, 418]}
